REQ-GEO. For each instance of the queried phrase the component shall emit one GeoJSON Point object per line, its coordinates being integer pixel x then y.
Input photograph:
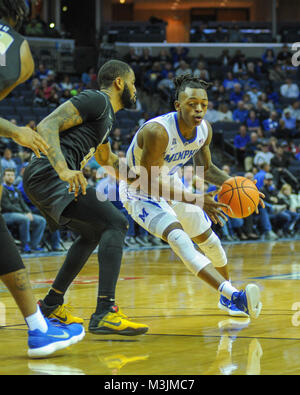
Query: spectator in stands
{"type": "Point", "coordinates": [240, 142]}
{"type": "Point", "coordinates": [178, 54]}
{"type": "Point", "coordinates": [211, 115]}
{"type": "Point", "coordinates": [263, 169]}
{"type": "Point", "coordinates": [276, 74]}
{"type": "Point", "coordinates": [280, 220]}
{"type": "Point", "coordinates": [251, 150]}
{"type": "Point", "coordinates": [240, 65]}
{"type": "Point", "coordinates": [201, 72]}
{"type": "Point", "coordinates": [224, 114]}
{"type": "Point", "coordinates": [229, 81]}
{"type": "Point", "coordinates": [132, 57]}
{"type": "Point", "coordinates": [247, 102]}
{"type": "Point", "coordinates": [290, 89]}
{"type": "Point", "coordinates": [146, 60]}
{"type": "Point", "coordinates": [164, 57]}
{"type": "Point", "coordinates": [235, 35]}
{"type": "Point", "coordinates": [240, 114]}
{"type": "Point", "coordinates": [254, 94]}
{"type": "Point", "coordinates": [294, 110]}
{"type": "Point", "coordinates": [7, 161]}
{"type": "Point", "coordinates": [284, 54]}
{"type": "Point", "coordinates": [166, 85]}
{"type": "Point", "coordinates": [152, 77]}
{"type": "Point", "coordinates": [267, 104]}
{"type": "Point", "coordinates": [183, 69]}
{"type": "Point", "coordinates": [42, 72]}
{"type": "Point", "coordinates": [66, 83]}
{"type": "Point", "coordinates": [16, 212]}
{"type": "Point", "coordinates": [280, 163]}
{"type": "Point", "coordinates": [288, 125]}
{"type": "Point", "coordinates": [225, 59]}
{"type": "Point", "coordinates": [253, 123]}
{"type": "Point", "coordinates": [292, 202]}
{"type": "Point", "coordinates": [271, 124]}
{"type": "Point", "coordinates": [236, 95]}
{"type": "Point", "coordinates": [263, 155]}
{"type": "Point", "coordinates": [269, 57]}
{"type": "Point", "coordinates": [65, 95]}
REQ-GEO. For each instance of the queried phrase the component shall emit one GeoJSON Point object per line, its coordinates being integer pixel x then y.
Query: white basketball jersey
{"type": "Point", "coordinates": [179, 150]}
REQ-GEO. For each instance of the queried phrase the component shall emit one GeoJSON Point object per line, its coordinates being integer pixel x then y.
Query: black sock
{"type": "Point", "coordinates": [104, 303]}
{"type": "Point", "coordinates": [110, 256]}
{"type": "Point", "coordinates": [53, 298]}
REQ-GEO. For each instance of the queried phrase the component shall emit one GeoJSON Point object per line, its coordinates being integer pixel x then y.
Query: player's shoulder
{"type": "Point", "coordinates": [155, 131]}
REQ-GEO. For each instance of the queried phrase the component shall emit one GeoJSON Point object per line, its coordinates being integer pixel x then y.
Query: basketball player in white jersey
{"type": "Point", "coordinates": [164, 144]}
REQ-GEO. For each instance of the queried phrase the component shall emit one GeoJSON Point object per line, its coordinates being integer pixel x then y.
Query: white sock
{"type": "Point", "coordinates": [226, 289]}
{"type": "Point", "coordinates": [37, 321]}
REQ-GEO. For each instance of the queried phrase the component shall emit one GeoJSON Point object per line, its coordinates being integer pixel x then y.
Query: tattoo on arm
{"type": "Point", "coordinates": [64, 117]}
{"type": "Point", "coordinates": [22, 280]}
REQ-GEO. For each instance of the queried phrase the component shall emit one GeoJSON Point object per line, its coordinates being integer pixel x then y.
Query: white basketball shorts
{"type": "Point", "coordinates": [156, 215]}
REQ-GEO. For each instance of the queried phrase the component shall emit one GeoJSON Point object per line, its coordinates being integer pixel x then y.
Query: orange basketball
{"type": "Point", "coordinates": [241, 195]}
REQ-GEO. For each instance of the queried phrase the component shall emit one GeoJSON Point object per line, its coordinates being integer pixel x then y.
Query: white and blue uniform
{"type": "Point", "coordinates": [156, 215]}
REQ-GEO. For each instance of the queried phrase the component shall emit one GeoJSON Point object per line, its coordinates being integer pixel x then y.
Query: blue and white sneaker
{"type": "Point", "coordinates": [230, 308]}
{"type": "Point", "coordinates": [57, 337]}
{"type": "Point", "coordinates": [248, 300]}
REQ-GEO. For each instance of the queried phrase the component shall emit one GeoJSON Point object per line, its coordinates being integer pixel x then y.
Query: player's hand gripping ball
{"type": "Point", "coordinates": [241, 194]}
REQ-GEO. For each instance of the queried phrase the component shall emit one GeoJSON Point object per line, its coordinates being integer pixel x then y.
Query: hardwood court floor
{"type": "Point", "coordinates": [188, 333]}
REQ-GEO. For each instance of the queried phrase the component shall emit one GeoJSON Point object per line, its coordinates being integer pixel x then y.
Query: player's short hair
{"type": "Point", "coordinates": [17, 10]}
{"type": "Point", "coordinates": [110, 71]}
{"type": "Point", "coordinates": [188, 80]}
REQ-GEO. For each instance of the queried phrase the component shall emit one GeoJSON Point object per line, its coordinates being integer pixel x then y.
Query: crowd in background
{"type": "Point", "coordinates": [258, 96]}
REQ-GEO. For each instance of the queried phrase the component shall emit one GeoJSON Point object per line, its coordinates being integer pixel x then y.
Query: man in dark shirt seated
{"type": "Point", "coordinates": [16, 212]}
{"type": "Point", "coordinates": [280, 163]}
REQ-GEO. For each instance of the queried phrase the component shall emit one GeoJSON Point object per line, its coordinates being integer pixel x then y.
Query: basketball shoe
{"type": "Point", "coordinates": [226, 305]}
{"type": "Point", "coordinates": [60, 313]}
{"type": "Point", "coordinates": [57, 337]}
{"type": "Point", "coordinates": [114, 322]}
{"type": "Point", "coordinates": [248, 300]}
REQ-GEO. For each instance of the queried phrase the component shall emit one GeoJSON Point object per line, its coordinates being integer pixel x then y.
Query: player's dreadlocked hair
{"type": "Point", "coordinates": [110, 71]}
{"type": "Point", "coordinates": [17, 10]}
{"type": "Point", "coordinates": [188, 80]}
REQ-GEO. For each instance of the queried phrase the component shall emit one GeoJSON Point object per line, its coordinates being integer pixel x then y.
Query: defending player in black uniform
{"type": "Point", "coordinates": [56, 185]}
{"type": "Point", "coordinates": [17, 68]}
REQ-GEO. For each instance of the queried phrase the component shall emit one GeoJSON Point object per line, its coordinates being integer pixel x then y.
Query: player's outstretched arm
{"type": "Point", "coordinates": [23, 136]}
{"type": "Point", "coordinates": [62, 118]}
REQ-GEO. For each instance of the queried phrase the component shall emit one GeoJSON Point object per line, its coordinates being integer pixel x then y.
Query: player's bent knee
{"type": "Point", "coordinates": [182, 245]}
{"type": "Point", "coordinates": [213, 249]}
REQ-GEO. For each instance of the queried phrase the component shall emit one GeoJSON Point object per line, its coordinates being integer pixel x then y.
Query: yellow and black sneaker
{"type": "Point", "coordinates": [115, 323]}
{"type": "Point", "coordinates": [62, 313]}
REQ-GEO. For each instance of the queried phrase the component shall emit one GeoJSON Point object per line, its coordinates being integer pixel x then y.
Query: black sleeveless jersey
{"type": "Point", "coordinates": [79, 144]}
{"type": "Point", "coordinates": [10, 61]}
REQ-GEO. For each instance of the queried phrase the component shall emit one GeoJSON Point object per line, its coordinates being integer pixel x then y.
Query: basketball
{"type": "Point", "coordinates": [241, 195]}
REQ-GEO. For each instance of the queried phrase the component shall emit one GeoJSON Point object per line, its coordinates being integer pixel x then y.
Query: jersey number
{"type": "Point", "coordinates": [87, 158]}
{"type": "Point", "coordinates": [5, 42]}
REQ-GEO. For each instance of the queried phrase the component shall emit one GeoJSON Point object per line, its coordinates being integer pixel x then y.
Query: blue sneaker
{"type": "Point", "coordinates": [57, 337]}
{"type": "Point", "coordinates": [230, 308]}
{"type": "Point", "coordinates": [248, 300]}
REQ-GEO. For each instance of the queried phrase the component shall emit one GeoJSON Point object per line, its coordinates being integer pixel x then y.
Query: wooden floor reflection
{"type": "Point", "coordinates": [188, 333]}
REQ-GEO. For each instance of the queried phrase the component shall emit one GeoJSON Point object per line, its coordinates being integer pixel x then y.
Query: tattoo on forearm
{"type": "Point", "coordinates": [63, 118]}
